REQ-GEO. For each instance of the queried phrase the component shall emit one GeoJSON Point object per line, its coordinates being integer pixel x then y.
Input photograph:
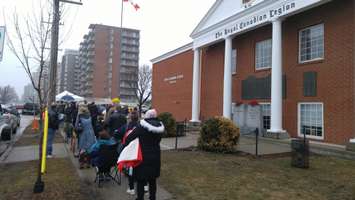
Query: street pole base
{"type": "Point", "coordinates": [39, 187]}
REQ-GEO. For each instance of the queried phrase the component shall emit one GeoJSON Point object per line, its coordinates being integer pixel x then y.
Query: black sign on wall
{"type": "Point", "coordinates": [260, 88]}
{"type": "Point", "coordinates": [310, 84]}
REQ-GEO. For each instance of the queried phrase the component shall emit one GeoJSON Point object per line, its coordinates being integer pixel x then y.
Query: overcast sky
{"type": "Point", "coordinates": [164, 24]}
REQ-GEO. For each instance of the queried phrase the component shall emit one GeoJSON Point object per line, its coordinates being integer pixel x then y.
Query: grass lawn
{"type": "Point", "coordinates": [30, 137]}
{"type": "Point", "coordinates": [200, 176]}
{"type": "Point", "coordinates": [61, 182]}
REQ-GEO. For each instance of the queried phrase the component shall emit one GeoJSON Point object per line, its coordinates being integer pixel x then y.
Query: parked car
{"type": "Point", "coordinates": [12, 118]}
{"type": "Point", "coordinates": [14, 111]}
{"type": "Point", "coordinates": [5, 129]}
{"type": "Point", "coordinates": [30, 109]}
{"type": "Point", "coordinates": [9, 121]}
{"type": "Point", "coordinates": [19, 106]}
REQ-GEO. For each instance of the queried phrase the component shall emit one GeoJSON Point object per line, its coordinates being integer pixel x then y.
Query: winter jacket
{"type": "Point", "coordinates": [94, 112]}
{"type": "Point", "coordinates": [87, 137]}
{"type": "Point", "coordinates": [149, 132]}
{"type": "Point", "coordinates": [115, 122]}
{"type": "Point", "coordinates": [53, 119]}
{"type": "Point", "coordinates": [95, 148]}
{"type": "Point", "coordinates": [69, 114]}
{"type": "Point", "coordinates": [123, 130]}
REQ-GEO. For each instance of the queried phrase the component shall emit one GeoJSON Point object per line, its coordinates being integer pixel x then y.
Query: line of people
{"type": "Point", "coordinates": [90, 126]}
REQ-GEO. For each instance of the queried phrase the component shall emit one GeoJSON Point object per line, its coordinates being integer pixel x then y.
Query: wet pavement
{"type": "Point", "coordinates": [5, 145]}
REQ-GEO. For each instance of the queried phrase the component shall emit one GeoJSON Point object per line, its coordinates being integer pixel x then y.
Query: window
{"type": "Point", "coordinates": [311, 45]}
{"type": "Point", "coordinates": [263, 52]}
{"type": "Point", "coordinates": [234, 61]}
{"type": "Point", "coordinates": [310, 120]}
{"type": "Point", "coordinates": [266, 112]}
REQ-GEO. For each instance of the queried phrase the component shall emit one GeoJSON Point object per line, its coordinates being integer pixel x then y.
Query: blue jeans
{"type": "Point", "coordinates": [50, 138]}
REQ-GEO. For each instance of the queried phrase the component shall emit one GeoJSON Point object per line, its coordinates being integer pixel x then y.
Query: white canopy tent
{"type": "Point", "coordinates": [65, 93]}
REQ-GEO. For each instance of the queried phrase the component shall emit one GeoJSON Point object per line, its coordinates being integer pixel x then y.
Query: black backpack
{"type": "Point", "coordinates": [53, 120]}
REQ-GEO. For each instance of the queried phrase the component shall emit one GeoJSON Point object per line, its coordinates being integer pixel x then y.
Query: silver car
{"type": "Point", "coordinates": [11, 117]}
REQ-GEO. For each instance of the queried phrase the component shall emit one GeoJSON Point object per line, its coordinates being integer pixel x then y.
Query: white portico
{"type": "Point", "coordinates": [229, 18]}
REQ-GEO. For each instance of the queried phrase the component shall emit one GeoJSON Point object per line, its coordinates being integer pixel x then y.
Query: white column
{"type": "Point", "coordinates": [276, 78]}
{"type": "Point", "coordinates": [196, 87]}
{"type": "Point", "coordinates": [227, 86]}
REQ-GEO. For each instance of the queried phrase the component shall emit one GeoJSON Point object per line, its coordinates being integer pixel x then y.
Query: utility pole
{"type": "Point", "coordinates": [54, 52]}
{"type": "Point", "coordinates": [39, 185]}
{"type": "Point", "coordinates": [54, 47]}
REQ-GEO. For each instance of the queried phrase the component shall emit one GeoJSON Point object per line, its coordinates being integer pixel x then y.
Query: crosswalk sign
{"type": "Point", "coordinates": [2, 41]}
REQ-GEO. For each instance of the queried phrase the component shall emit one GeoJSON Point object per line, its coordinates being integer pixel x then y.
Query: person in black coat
{"type": "Point", "coordinates": [149, 132]}
{"type": "Point", "coordinates": [114, 123]}
{"type": "Point", "coordinates": [94, 112]}
{"type": "Point", "coordinates": [53, 125]}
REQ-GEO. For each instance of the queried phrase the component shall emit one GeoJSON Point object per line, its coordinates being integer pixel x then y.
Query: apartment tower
{"type": "Point", "coordinates": [109, 64]}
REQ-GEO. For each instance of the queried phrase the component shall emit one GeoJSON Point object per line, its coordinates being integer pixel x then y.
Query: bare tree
{"type": "Point", "coordinates": [8, 94]}
{"type": "Point", "coordinates": [144, 89]}
{"type": "Point", "coordinates": [28, 44]}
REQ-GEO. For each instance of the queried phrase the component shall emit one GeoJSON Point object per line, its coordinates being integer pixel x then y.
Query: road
{"type": "Point", "coordinates": [25, 121]}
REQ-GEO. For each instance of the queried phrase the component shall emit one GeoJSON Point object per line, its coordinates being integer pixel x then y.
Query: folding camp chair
{"type": "Point", "coordinates": [108, 155]}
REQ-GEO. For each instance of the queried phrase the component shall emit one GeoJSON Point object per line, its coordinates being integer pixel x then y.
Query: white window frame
{"type": "Point", "coordinates": [266, 103]}
{"type": "Point", "coordinates": [299, 45]}
{"type": "Point", "coordinates": [261, 109]}
{"type": "Point", "coordinates": [256, 59]}
{"type": "Point", "coordinates": [234, 61]}
{"type": "Point", "coordinates": [299, 121]}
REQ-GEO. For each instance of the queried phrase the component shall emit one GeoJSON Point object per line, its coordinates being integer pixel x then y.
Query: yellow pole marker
{"type": "Point", "coordinates": [44, 143]}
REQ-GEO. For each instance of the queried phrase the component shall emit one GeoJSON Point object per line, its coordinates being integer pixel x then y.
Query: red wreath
{"type": "Point", "coordinates": [253, 103]}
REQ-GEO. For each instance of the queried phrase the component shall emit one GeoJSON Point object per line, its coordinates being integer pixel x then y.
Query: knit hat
{"type": "Point", "coordinates": [152, 113]}
{"type": "Point", "coordinates": [116, 100]}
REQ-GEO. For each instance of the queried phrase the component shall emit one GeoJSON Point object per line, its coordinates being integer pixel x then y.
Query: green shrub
{"type": "Point", "coordinates": [218, 134]}
{"type": "Point", "coordinates": [169, 124]}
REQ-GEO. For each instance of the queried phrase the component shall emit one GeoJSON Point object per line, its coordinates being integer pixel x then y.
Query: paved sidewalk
{"type": "Point", "coordinates": [190, 140]}
{"type": "Point", "coordinates": [5, 146]}
{"type": "Point", "coordinates": [111, 190]}
{"type": "Point", "coordinates": [28, 153]}
{"type": "Point", "coordinates": [248, 145]}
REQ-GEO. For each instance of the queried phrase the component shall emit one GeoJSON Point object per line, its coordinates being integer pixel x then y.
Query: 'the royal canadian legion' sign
{"type": "Point", "coordinates": [257, 19]}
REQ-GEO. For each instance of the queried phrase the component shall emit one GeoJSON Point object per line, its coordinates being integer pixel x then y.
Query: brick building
{"type": "Point", "coordinates": [109, 64]}
{"type": "Point", "coordinates": [295, 58]}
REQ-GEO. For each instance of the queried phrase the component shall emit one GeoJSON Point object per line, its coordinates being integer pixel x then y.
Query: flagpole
{"type": "Point", "coordinates": [121, 41]}
{"type": "Point", "coordinates": [121, 13]}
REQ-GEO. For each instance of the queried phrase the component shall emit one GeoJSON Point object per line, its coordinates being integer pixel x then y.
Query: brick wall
{"type": "Point", "coordinates": [100, 62]}
{"type": "Point", "coordinates": [335, 74]}
{"type": "Point", "coordinates": [212, 81]}
{"type": "Point", "coordinates": [173, 97]}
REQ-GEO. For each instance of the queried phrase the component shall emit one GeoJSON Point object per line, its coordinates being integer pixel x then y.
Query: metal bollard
{"type": "Point", "coordinates": [176, 135]}
{"type": "Point", "coordinates": [256, 141]}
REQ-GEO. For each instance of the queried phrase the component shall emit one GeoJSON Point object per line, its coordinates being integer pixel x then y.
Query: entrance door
{"type": "Point", "coordinates": [265, 115]}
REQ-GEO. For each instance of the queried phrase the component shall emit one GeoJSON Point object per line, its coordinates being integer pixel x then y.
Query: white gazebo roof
{"type": "Point", "coordinates": [64, 93]}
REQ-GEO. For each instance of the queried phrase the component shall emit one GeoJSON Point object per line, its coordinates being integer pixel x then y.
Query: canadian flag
{"type": "Point", "coordinates": [135, 5]}
{"type": "Point", "coordinates": [131, 155]}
